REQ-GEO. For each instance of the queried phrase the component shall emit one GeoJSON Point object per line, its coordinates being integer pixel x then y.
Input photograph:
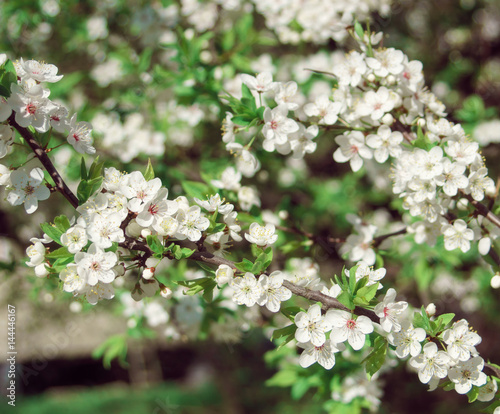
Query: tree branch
{"type": "Point", "coordinates": [45, 160]}
{"type": "Point", "coordinates": [483, 210]}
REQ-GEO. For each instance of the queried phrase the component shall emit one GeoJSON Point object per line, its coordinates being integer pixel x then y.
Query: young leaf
{"type": "Point", "coordinates": [83, 170]}
{"type": "Point", "coordinates": [346, 299]}
{"type": "Point", "coordinates": [155, 245]}
{"type": "Point", "coordinates": [149, 174]}
{"type": "Point", "coordinates": [245, 265]}
{"type": "Point", "coordinates": [196, 189]}
{"type": "Point", "coordinates": [52, 231]}
{"type": "Point", "coordinates": [376, 358]}
{"type": "Point", "coordinates": [60, 253]}
{"type": "Point", "coordinates": [290, 312]}
{"type": "Point", "coordinates": [88, 187]}
{"type": "Point", "coordinates": [444, 319]}
{"type": "Point", "coordinates": [367, 292]}
{"type": "Point", "coordinates": [359, 30]}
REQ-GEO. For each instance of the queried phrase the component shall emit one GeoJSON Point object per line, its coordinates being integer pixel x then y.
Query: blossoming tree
{"type": "Point", "coordinates": [138, 234]}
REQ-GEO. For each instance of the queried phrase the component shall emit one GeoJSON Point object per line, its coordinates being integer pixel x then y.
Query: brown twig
{"type": "Point", "coordinates": [482, 210]}
{"type": "Point", "coordinates": [45, 160]}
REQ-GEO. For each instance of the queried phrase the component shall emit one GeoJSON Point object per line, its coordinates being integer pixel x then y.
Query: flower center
{"type": "Point", "coordinates": [351, 324]}
{"type": "Point", "coordinates": [31, 108]}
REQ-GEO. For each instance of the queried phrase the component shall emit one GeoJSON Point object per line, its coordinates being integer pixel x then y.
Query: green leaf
{"type": "Point", "coordinates": [359, 29]}
{"type": "Point", "coordinates": [180, 252]}
{"type": "Point", "coordinates": [88, 187]}
{"type": "Point", "coordinates": [8, 76]}
{"type": "Point", "coordinates": [44, 138]}
{"type": "Point", "coordinates": [473, 110]}
{"type": "Point", "coordinates": [284, 378]}
{"type": "Point", "coordinates": [263, 260]}
{"type": "Point", "coordinates": [206, 268]}
{"type": "Point", "coordinates": [228, 40]}
{"type": "Point", "coordinates": [352, 279]}
{"type": "Point", "coordinates": [284, 332]}
{"type": "Point", "coordinates": [290, 312]}
{"type": "Point", "coordinates": [241, 120]}
{"type": "Point", "coordinates": [96, 169]}
{"type": "Point", "coordinates": [367, 292]}
{"type": "Point", "coordinates": [376, 358]}
{"type": "Point", "coordinates": [196, 189]}
{"type": "Point", "coordinates": [60, 253]}
{"type": "Point", "coordinates": [444, 319]}
{"type": "Point", "coordinates": [83, 170]}
{"type": "Point", "coordinates": [62, 223]}
{"type": "Point", "coordinates": [149, 174]}
{"type": "Point", "coordinates": [208, 292]}
{"type": "Point", "coordinates": [52, 231]}
{"type": "Point", "coordinates": [246, 92]}
{"type": "Point", "coordinates": [303, 384]}
{"type": "Point", "coordinates": [245, 265]}
{"type": "Point", "coordinates": [473, 394]}
{"type": "Point", "coordinates": [422, 140]}
{"type": "Point", "coordinates": [197, 285]}
{"type": "Point", "coordinates": [260, 112]}
{"type": "Point", "coordinates": [491, 408]}
{"type": "Point", "coordinates": [155, 245]}
{"type": "Point", "coordinates": [115, 347]}
{"type": "Point", "coordinates": [346, 299]}
{"type": "Point", "coordinates": [421, 320]}
{"type": "Point", "coordinates": [183, 253]}
{"type": "Point", "coordinates": [145, 60]}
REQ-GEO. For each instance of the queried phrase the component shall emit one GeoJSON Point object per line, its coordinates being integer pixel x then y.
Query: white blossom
{"type": "Point", "coordinates": [324, 354]}
{"type": "Point", "coordinates": [457, 236]}
{"type": "Point", "coordinates": [311, 326]}
{"type": "Point", "coordinates": [273, 293]}
{"type": "Point", "coordinates": [431, 363]}
{"type": "Point", "coordinates": [352, 148]}
{"type": "Point", "coordinates": [461, 341]}
{"type": "Point", "coordinates": [348, 327]}
{"type": "Point", "coordinates": [465, 374]}
{"type": "Point", "coordinates": [388, 311]}
{"type": "Point", "coordinates": [261, 235]}
{"type": "Point", "coordinates": [192, 223]}
{"type": "Point", "coordinates": [27, 189]}
{"type": "Point", "coordinates": [247, 290]}
{"type": "Point", "coordinates": [407, 340]}
{"type": "Point", "coordinates": [95, 265]}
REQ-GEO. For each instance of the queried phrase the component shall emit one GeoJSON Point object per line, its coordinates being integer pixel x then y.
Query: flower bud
{"type": "Point", "coordinates": [387, 119]}
{"type": "Point", "coordinates": [223, 274]}
{"type": "Point", "coordinates": [148, 273]}
{"type": "Point", "coordinates": [133, 229]}
{"type": "Point", "coordinates": [495, 281]}
{"type": "Point", "coordinates": [145, 233]}
{"type": "Point", "coordinates": [430, 309]}
{"type": "Point", "coordinates": [166, 292]}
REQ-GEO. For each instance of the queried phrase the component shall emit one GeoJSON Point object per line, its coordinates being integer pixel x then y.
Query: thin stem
{"type": "Point", "coordinates": [45, 160]}
{"type": "Point", "coordinates": [483, 210]}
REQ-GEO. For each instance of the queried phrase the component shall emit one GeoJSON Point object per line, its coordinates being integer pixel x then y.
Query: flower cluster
{"type": "Point", "coordinates": [130, 206]}
{"type": "Point", "coordinates": [30, 106]}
